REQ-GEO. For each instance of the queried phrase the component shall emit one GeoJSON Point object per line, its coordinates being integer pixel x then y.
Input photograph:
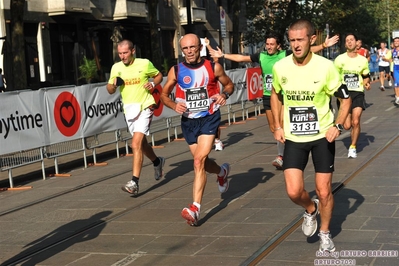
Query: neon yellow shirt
{"type": "Point", "coordinates": [351, 70]}
{"type": "Point", "coordinates": [307, 91]}
{"type": "Point", "coordinates": [135, 76]}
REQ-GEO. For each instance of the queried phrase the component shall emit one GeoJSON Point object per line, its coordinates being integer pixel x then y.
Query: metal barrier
{"type": "Point", "coordinates": [18, 159]}
{"type": "Point", "coordinates": [233, 108]}
{"type": "Point", "coordinates": [158, 126]}
{"type": "Point", "coordinates": [125, 136]}
{"type": "Point", "coordinates": [64, 148]}
{"type": "Point", "coordinates": [100, 140]}
{"type": "Point", "coordinates": [173, 123]}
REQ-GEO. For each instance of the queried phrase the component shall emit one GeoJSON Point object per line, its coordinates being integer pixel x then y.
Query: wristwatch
{"type": "Point", "coordinates": [226, 94]}
{"type": "Point", "coordinates": [339, 127]}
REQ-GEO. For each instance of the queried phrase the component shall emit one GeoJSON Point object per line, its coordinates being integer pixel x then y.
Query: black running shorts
{"type": "Point", "coordinates": [296, 155]}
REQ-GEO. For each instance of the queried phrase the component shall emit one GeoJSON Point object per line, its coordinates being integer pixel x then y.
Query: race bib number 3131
{"type": "Point", "coordinates": [304, 120]}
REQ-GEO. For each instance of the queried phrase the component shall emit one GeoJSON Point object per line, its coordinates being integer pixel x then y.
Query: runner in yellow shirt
{"type": "Point", "coordinates": [306, 82]}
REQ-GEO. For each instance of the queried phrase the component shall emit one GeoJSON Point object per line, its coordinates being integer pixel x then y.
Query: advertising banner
{"type": "Point", "coordinates": [23, 124]}
{"type": "Point", "coordinates": [254, 83]}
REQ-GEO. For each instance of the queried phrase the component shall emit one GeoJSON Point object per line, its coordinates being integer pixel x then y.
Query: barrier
{"type": "Point", "coordinates": [54, 122]}
{"type": "Point", "coordinates": [173, 123]}
{"type": "Point", "coordinates": [64, 148]}
{"type": "Point", "coordinates": [100, 140]}
{"type": "Point", "coordinates": [158, 126]}
{"type": "Point", "coordinates": [125, 136]}
{"type": "Point", "coordinates": [22, 158]}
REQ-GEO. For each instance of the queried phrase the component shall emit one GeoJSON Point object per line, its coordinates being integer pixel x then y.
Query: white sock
{"type": "Point", "coordinates": [196, 204]}
{"type": "Point", "coordinates": [280, 148]}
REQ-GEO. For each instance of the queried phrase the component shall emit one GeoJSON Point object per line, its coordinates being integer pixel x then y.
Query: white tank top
{"type": "Point", "coordinates": [381, 62]}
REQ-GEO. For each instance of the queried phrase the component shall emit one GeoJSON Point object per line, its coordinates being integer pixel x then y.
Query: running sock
{"type": "Point", "coordinates": [352, 147]}
{"type": "Point", "coordinates": [156, 162]}
{"type": "Point", "coordinates": [135, 179]}
{"type": "Point", "coordinates": [196, 204]}
{"type": "Point", "coordinates": [280, 148]}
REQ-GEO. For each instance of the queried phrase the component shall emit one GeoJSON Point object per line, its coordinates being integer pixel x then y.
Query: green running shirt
{"type": "Point", "coordinates": [351, 70]}
{"type": "Point", "coordinates": [267, 62]}
{"type": "Point", "coordinates": [307, 91]}
{"type": "Point", "coordinates": [135, 76]}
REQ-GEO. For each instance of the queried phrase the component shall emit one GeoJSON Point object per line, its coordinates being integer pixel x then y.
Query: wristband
{"type": "Point", "coordinates": [153, 84]}
{"type": "Point", "coordinates": [278, 128]}
{"type": "Point", "coordinates": [324, 45]}
{"type": "Point", "coordinates": [226, 94]}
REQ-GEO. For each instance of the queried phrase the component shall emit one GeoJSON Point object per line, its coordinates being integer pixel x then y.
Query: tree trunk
{"type": "Point", "coordinates": [19, 78]}
{"type": "Point", "coordinates": [155, 42]}
{"type": "Point", "coordinates": [236, 35]}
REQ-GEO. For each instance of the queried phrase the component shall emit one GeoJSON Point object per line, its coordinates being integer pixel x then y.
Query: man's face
{"type": "Point", "coordinates": [191, 49]}
{"type": "Point", "coordinates": [272, 46]}
{"type": "Point", "coordinates": [125, 54]}
{"type": "Point", "coordinates": [358, 44]}
{"type": "Point", "coordinates": [396, 43]}
{"type": "Point", "coordinates": [382, 45]}
{"type": "Point", "coordinates": [300, 42]}
{"type": "Point", "coordinates": [350, 43]}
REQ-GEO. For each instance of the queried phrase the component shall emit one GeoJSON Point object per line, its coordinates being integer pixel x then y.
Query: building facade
{"type": "Point", "coordinates": [59, 33]}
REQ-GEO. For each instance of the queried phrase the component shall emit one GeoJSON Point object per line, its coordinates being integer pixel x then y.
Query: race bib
{"type": "Point", "coordinates": [268, 79]}
{"type": "Point", "coordinates": [197, 99]}
{"type": "Point", "coordinates": [304, 120]}
{"type": "Point", "coordinates": [352, 81]}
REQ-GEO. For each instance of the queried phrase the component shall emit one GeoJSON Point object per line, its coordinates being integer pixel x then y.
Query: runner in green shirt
{"type": "Point", "coordinates": [306, 82]}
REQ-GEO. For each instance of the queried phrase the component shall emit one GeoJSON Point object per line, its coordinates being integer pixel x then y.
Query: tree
{"type": "Point", "coordinates": [236, 6]}
{"type": "Point", "coordinates": [276, 16]}
{"type": "Point", "coordinates": [18, 79]}
{"type": "Point", "coordinates": [367, 19]}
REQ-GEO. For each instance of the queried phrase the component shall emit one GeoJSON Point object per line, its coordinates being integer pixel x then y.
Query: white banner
{"type": "Point", "coordinates": [64, 114]}
{"type": "Point", "coordinates": [101, 111]}
{"type": "Point", "coordinates": [239, 78]}
{"type": "Point", "coordinates": [34, 119]}
{"type": "Point", "coordinates": [23, 124]}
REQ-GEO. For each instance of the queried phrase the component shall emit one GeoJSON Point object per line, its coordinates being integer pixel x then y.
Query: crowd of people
{"type": "Point", "coordinates": [298, 86]}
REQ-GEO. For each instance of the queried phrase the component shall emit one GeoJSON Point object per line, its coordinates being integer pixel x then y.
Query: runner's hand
{"type": "Point", "coordinates": [279, 135]}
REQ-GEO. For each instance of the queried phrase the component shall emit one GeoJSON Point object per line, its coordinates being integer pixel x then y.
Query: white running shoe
{"type": "Point", "coordinates": [390, 83]}
{"type": "Point", "coordinates": [309, 224]}
{"type": "Point", "coordinates": [326, 243]}
{"type": "Point", "coordinates": [352, 153]}
{"type": "Point", "coordinates": [223, 182]}
{"type": "Point", "coordinates": [278, 162]}
{"type": "Point", "coordinates": [219, 145]}
{"type": "Point", "coordinates": [131, 187]}
{"type": "Point", "coordinates": [397, 99]}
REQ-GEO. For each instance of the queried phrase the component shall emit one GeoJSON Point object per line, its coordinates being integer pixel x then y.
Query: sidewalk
{"type": "Point", "coordinates": [148, 229]}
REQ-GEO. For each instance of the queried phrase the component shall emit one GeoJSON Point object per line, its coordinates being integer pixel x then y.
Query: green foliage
{"type": "Point", "coordinates": [88, 69]}
{"type": "Point", "coordinates": [367, 19]}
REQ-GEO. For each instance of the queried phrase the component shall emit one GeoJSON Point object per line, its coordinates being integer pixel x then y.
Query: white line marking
{"type": "Point", "coordinates": [390, 108]}
{"type": "Point", "coordinates": [369, 120]}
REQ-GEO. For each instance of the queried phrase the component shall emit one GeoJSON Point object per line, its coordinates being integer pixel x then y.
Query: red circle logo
{"type": "Point", "coordinates": [67, 114]}
{"type": "Point", "coordinates": [156, 93]}
{"type": "Point", "coordinates": [187, 79]}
